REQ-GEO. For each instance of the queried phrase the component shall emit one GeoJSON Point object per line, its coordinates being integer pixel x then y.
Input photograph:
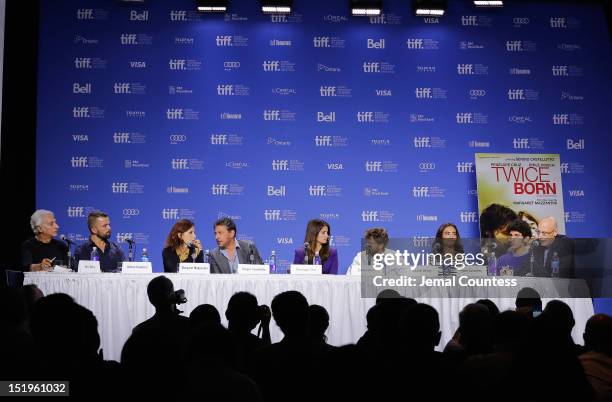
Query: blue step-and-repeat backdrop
{"type": "Point", "coordinates": [154, 113]}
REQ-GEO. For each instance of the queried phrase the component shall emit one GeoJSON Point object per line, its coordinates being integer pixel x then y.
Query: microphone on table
{"type": "Point", "coordinates": [306, 248]}
{"type": "Point", "coordinates": [192, 250]}
{"type": "Point", "coordinates": [67, 240]}
{"type": "Point", "coordinates": [370, 253]}
{"type": "Point", "coordinates": [251, 254]}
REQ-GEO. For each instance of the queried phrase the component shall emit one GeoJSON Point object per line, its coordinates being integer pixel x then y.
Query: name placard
{"type": "Point", "coordinates": [89, 267]}
{"type": "Point", "coordinates": [133, 267]}
{"type": "Point", "coordinates": [303, 269]}
{"type": "Point", "coordinates": [194, 268]}
{"type": "Point", "coordinates": [253, 269]}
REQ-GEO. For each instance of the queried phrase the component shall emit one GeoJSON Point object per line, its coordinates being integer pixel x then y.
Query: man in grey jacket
{"type": "Point", "coordinates": [230, 251]}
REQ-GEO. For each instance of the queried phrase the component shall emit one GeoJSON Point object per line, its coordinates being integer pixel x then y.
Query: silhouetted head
{"type": "Point", "coordinates": [509, 330]}
{"type": "Point", "coordinates": [204, 314]}
{"type": "Point", "coordinates": [387, 294]}
{"type": "Point", "coordinates": [31, 293]}
{"type": "Point", "coordinates": [493, 309]}
{"type": "Point", "coordinates": [319, 322]}
{"type": "Point", "coordinates": [420, 327]}
{"type": "Point", "coordinates": [159, 290]}
{"type": "Point", "coordinates": [290, 311]}
{"type": "Point", "coordinates": [242, 312]}
{"type": "Point", "coordinates": [475, 327]}
{"type": "Point", "coordinates": [560, 316]}
{"type": "Point", "coordinates": [208, 347]}
{"type": "Point", "coordinates": [528, 299]}
{"type": "Point", "coordinates": [598, 334]}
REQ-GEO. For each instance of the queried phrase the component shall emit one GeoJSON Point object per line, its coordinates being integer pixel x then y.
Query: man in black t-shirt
{"type": "Point", "coordinates": [43, 251]}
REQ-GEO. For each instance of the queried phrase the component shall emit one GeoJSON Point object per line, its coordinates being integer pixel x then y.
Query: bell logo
{"type": "Point", "coordinates": [76, 212]}
{"type": "Point", "coordinates": [323, 141]}
{"type": "Point", "coordinates": [177, 64]}
{"type": "Point", "coordinates": [82, 62]}
{"type": "Point", "coordinates": [169, 213]}
{"type": "Point", "coordinates": [174, 114]}
{"type": "Point", "coordinates": [465, 167]}
{"type": "Point", "coordinates": [136, 16]}
{"type": "Point", "coordinates": [179, 164]}
{"type": "Point", "coordinates": [178, 15]}
{"type": "Point", "coordinates": [321, 41]}
{"type": "Point", "coordinates": [575, 145]}
{"type": "Point", "coordinates": [276, 191]}
{"type": "Point", "coordinates": [467, 217]}
{"type": "Point", "coordinates": [272, 215]}
{"type": "Point", "coordinates": [371, 67]}
{"type": "Point", "coordinates": [376, 44]}
{"type": "Point", "coordinates": [420, 192]}
{"type": "Point", "coordinates": [79, 162]}
{"type": "Point", "coordinates": [81, 89]}
{"type": "Point", "coordinates": [326, 118]}
{"type": "Point", "coordinates": [122, 88]}
{"type": "Point", "coordinates": [373, 166]}
{"type": "Point", "coordinates": [369, 216]}
{"type": "Point", "coordinates": [119, 188]}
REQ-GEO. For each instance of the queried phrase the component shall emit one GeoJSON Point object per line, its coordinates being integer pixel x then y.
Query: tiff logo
{"type": "Point", "coordinates": [119, 188]}
{"type": "Point", "coordinates": [316, 191]}
{"type": "Point", "coordinates": [327, 91]}
{"type": "Point", "coordinates": [121, 138]}
{"type": "Point", "coordinates": [170, 213]}
{"type": "Point", "coordinates": [516, 94]}
{"type": "Point", "coordinates": [560, 71]}
{"type": "Point", "coordinates": [280, 164]}
{"type": "Point", "coordinates": [422, 142]}
{"type": "Point", "coordinates": [369, 216]}
{"type": "Point", "coordinates": [558, 22]}
{"type": "Point", "coordinates": [177, 64]}
{"type": "Point", "coordinates": [82, 62]}
{"type": "Point", "coordinates": [423, 93]}
{"type": "Point", "coordinates": [373, 166]}
{"type": "Point", "coordinates": [323, 141]}
{"type": "Point", "coordinates": [465, 69]}
{"type": "Point", "coordinates": [81, 112]}
{"type": "Point", "coordinates": [469, 20]}
{"type": "Point", "coordinates": [321, 41]}
{"type": "Point", "coordinates": [467, 217]}
{"type": "Point", "coordinates": [218, 139]}
{"type": "Point", "coordinates": [414, 44]}
{"type": "Point", "coordinates": [564, 168]}
{"type": "Point", "coordinates": [465, 167]}
{"type": "Point", "coordinates": [365, 117]}
{"type": "Point", "coordinates": [128, 39]}
{"type": "Point", "coordinates": [79, 162]}
{"type": "Point", "coordinates": [272, 214]}
{"type": "Point", "coordinates": [514, 46]}
{"type": "Point", "coordinates": [224, 40]}
{"type": "Point", "coordinates": [76, 212]}
{"type": "Point", "coordinates": [179, 164]}
{"type": "Point", "coordinates": [271, 115]}
{"type": "Point", "coordinates": [85, 14]}
{"type": "Point", "coordinates": [174, 114]}
{"type": "Point", "coordinates": [271, 65]}
{"type": "Point", "coordinates": [420, 192]}
{"type": "Point", "coordinates": [178, 15]}
{"type": "Point", "coordinates": [122, 88]}
{"type": "Point", "coordinates": [220, 189]}
{"type": "Point", "coordinates": [225, 90]}
{"type": "Point", "coordinates": [464, 118]}
{"type": "Point", "coordinates": [371, 67]}
{"type": "Point", "coordinates": [520, 143]}
{"type": "Point", "coordinates": [561, 119]}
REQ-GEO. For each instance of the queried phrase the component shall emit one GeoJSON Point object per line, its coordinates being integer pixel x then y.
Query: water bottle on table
{"type": "Point", "coordinates": [554, 265]}
{"type": "Point", "coordinates": [317, 259]}
{"type": "Point", "coordinates": [95, 255]}
{"type": "Point", "coordinates": [144, 256]}
{"type": "Point", "coordinates": [272, 262]}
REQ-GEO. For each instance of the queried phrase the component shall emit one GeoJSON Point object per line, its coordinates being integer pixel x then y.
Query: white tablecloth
{"type": "Point", "coordinates": [119, 301]}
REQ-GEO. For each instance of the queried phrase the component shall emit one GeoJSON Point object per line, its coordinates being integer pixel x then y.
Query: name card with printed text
{"type": "Point", "coordinates": [303, 269]}
{"type": "Point", "coordinates": [194, 268]}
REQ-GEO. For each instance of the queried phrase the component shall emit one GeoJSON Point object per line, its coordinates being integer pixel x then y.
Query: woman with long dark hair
{"type": "Point", "coordinates": [317, 247]}
{"type": "Point", "coordinates": [448, 240]}
{"type": "Point", "coordinates": [181, 246]}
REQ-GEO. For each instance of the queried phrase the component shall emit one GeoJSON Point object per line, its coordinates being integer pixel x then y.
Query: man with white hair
{"type": "Point", "coordinates": [551, 244]}
{"type": "Point", "coordinates": [43, 251]}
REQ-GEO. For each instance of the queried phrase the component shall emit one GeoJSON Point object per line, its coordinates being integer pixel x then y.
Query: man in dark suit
{"type": "Point", "coordinates": [552, 242]}
{"type": "Point", "coordinates": [231, 251]}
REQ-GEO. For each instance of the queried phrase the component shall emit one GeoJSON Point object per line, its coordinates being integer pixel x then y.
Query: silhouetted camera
{"type": "Point", "coordinates": [178, 297]}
